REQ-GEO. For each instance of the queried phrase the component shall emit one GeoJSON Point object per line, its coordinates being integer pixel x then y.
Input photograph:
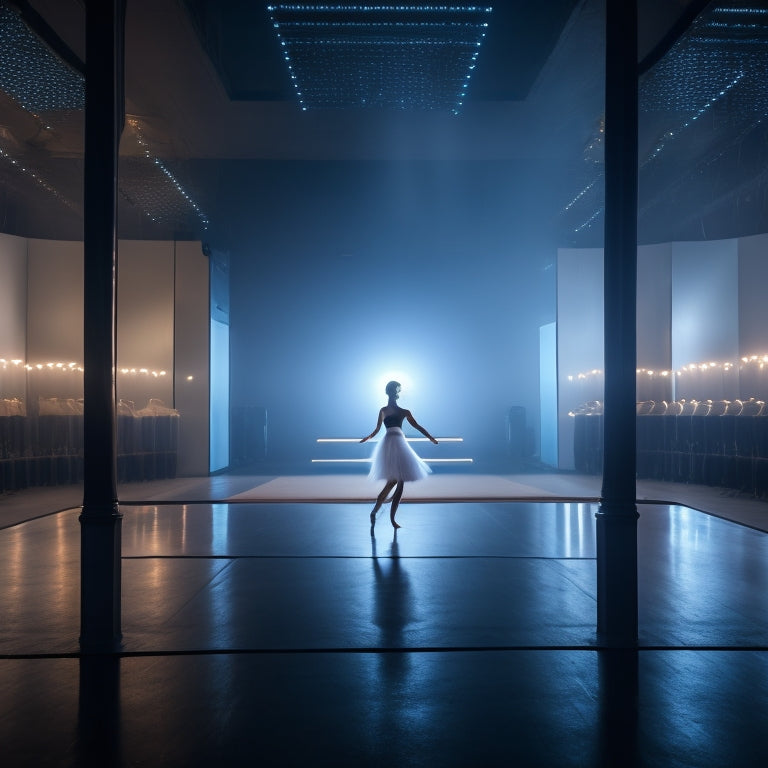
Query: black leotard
{"type": "Point", "coordinates": [395, 419]}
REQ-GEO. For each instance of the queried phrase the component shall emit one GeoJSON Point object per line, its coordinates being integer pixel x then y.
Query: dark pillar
{"type": "Point", "coordinates": [617, 517]}
{"type": "Point", "coordinates": [100, 521]}
{"type": "Point", "coordinates": [618, 695]}
{"type": "Point", "coordinates": [98, 719]}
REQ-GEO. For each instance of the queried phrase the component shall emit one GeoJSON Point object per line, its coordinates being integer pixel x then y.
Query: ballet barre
{"type": "Point", "coordinates": [360, 461]}
{"type": "Point", "coordinates": [409, 439]}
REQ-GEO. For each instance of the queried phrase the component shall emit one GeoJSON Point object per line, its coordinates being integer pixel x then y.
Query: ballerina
{"type": "Point", "coordinates": [394, 461]}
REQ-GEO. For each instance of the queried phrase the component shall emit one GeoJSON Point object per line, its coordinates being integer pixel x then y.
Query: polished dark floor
{"type": "Point", "coordinates": [286, 634]}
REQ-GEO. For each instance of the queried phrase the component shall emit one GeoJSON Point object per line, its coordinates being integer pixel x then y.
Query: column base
{"type": "Point", "coordinates": [100, 579]}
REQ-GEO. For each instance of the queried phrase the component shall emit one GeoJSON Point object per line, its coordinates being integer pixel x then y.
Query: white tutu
{"type": "Point", "coordinates": [394, 459]}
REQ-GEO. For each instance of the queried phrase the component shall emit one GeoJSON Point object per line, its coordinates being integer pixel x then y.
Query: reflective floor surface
{"type": "Point", "coordinates": [291, 634]}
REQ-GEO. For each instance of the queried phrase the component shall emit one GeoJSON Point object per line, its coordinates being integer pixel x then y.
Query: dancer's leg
{"type": "Point", "coordinates": [398, 494]}
{"type": "Point", "coordinates": [381, 498]}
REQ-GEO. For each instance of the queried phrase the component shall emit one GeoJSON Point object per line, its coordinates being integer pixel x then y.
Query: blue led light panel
{"type": "Point", "coordinates": [380, 56]}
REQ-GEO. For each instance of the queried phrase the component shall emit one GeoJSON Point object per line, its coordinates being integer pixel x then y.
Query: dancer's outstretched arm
{"type": "Point", "coordinates": [421, 429]}
{"type": "Point", "coordinates": [378, 426]}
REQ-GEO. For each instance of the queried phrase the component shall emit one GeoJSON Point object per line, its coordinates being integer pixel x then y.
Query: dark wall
{"type": "Point", "coordinates": [345, 273]}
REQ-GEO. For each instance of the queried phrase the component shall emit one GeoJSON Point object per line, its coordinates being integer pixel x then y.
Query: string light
{"type": "Point", "coordinates": [156, 206]}
{"type": "Point", "coordinates": [582, 376]}
{"type": "Point", "coordinates": [715, 50]}
{"type": "Point", "coordinates": [40, 82]}
{"type": "Point", "coordinates": [661, 145]}
{"type": "Point", "coordinates": [757, 360]}
{"type": "Point", "coordinates": [717, 67]}
{"type": "Point", "coordinates": [583, 192]}
{"type": "Point", "coordinates": [361, 56]}
{"type": "Point", "coordinates": [75, 368]}
{"type": "Point", "coordinates": [591, 220]}
{"type": "Point", "coordinates": [21, 167]}
{"type": "Point", "coordinates": [31, 73]}
{"type": "Point", "coordinates": [669, 136]}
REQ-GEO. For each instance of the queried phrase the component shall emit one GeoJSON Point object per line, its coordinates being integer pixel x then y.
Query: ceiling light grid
{"type": "Point", "coordinates": [27, 171]}
{"type": "Point", "coordinates": [704, 99]}
{"type": "Point", "coordinates": [151, 184]}
{"type": "Point", "coordinates": [394, 57]}
{"type": "Point", "coordinates": [40, 83]}
{"type": "Point", "coordinates": [725, 45]}
{"type": "Point", "coordinates": [31, 73]}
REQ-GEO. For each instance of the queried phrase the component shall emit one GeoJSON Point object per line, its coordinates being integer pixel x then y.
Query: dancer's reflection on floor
{"type": "Point", "coordinates": [392, 599]}
{"type": "Point", "coordinates": [393, 612]}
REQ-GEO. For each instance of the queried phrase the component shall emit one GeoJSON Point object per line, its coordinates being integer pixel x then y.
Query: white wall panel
{"type": "Point", "coordinates": [579, 338]}
{"type": "Point", "coordinates": [55, 301]}
{"type": "Point", "coordinates": [753, 307]}
{"type": "Point", "coordinates": [13, 316]}
{"type": "Point", "coordinates": [145, 320]}
{"type": "Point", "coordinates": [705, 316]}
{"type": "Point", "coordinates": [191, 385]}
{"type": "Point", "coordinates": [654, 320]}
